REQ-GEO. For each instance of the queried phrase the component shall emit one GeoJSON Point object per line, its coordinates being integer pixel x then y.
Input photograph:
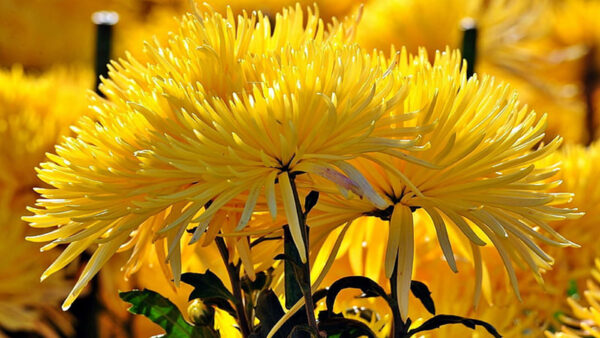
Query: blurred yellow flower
{"type": "Point", "coordinates": [579, 173]}
{"type": "Point", "coordinates": [502, 25]}
{"type": "Point", "coordinates": [575, 27]}
{"type": "Point", "coordinates": [39, 34]}
{"type": "Point", "coordinates": [583, 321]}
{"type": "Point", "coordinates": [35, 112]}
{"type": "Point", "coordinates": [515, 43]}
{"type": "Point", "coordinates": [53, 100]}
{"type": "Point", "coordinates": [488, 185]}
{"type": "Point", "coordinates": [25, 304]}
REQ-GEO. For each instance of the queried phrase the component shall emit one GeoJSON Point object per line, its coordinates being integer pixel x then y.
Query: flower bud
{"type": "Point", "coordinates": [201, 314]}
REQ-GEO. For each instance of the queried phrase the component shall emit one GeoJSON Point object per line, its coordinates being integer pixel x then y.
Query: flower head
{"type": "Point", "coordinates": [53, 100]}
{"type": "Point", "coordinates": [25, 304]}
{"type": "Point", "coordinates": [584, 321]}
{"type": "Point", "coordinates": [488, 186]}
{"type": "Point", "coordinates": [223, 115]}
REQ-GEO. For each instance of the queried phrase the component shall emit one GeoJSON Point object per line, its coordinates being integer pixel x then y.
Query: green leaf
{"type": "Point", "coordinates": [441, 320]}
{"type": "Point", "coordinates": [221, 304]}
{"type": "Point", "coordinates": [421, 291]}
{"type": "Point", "coordinates": [258, 284]}
{"type": "Point", "coordinates": [269, 311]}
{"type": "Point", "coordinates": [572, 290]}
{"type": "Point", "coordinates": [161, 311]}
{"type": "Point", "coordinates": [366, 285]}
{"type": "Point", "coordinates": [310, 201]}
{"type": "Point", "coordinates": [291, 264]}
{"type": "Point", "coordinates": [206, 285]}
{"type": "Point", "coordinates": [345, 327]}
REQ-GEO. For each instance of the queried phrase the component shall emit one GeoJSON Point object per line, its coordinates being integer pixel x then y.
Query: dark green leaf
{"type": "Point", "coordinates": [441, 320]}
{"type": "Point", "coordinates": [310, 201]}
{"type": "Point", "coordinates": [366, 285]}
{"type": "Point", "coordinates": [572, 290]}
{"type": "Point", "coordinates": [303, 331]}
{"type": "Point", "coordinates": [421, 291]}
{"type": "Point", "coordinates": [345, 327]}
{"type": "Point", "coordinates": [164, 313]}
{"type": "Point", "coordinates": [221, 304]}
{"type": "Point", "coordinates": [268, 311]}
{"type": "Point", "coordinates": [319, 294]}
{"type": "Point", "coordinates": [291, 264]}
{"type": "Point", "coordinates": [258, 284]}
{"type": "Point", "coordinates": [206, 285]}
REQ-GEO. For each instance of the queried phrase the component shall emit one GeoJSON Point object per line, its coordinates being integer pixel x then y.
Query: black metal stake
{"type": "Point", "coordinates": [104, 21]}
{"type": "Point", "coordinates": [469, 44]}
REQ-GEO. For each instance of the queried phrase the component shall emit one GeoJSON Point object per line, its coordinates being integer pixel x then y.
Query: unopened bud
{"type": "Point", "coordinates": [201, 314]}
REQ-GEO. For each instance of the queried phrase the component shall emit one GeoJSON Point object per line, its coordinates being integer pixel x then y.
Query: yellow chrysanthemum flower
{"type": "Point", "coordinates": [181, 132]}
{"type": "Point", "coordinates": [575, 26]}
{"type": "Point", "coordinates": [584, 321]}
{"type": "Point", "coordinates": [514, 44]}
{"type": "Point", "coordinates": [35, 111]}
{"type": "Point", "coordinates": [488, 185]}
{"type": "Point", "coordinates": [25, 304]}
{"type": "Point", "coordinates": [53, 100]}
{"type": "Point", "coordinates": [578, 173]}
{"type": "Point", "coordinates": [327, 8]}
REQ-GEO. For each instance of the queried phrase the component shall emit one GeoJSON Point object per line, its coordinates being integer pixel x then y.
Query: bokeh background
{"type": "Point", "coordinates": [548, 50]}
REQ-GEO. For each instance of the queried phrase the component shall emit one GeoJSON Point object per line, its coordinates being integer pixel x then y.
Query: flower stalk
{"type": "Point", "coordinates": [303, 277]}
{"type": "Point", "coordinates": [234, 277]}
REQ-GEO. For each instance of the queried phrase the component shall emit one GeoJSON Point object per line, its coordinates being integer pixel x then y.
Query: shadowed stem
{"type": "Point", "coordinates": [305, 278]}
{"type": "Point", "coordinates": [398, 329]}
{"type": "Point", "coordinates": [234, 277]}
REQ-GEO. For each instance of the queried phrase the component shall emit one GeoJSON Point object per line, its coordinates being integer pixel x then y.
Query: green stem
{"type": "Point", "coordinates": [236, 286]}
{"type": "Point", "coordinates": [305, 278]}
{"type": "Point", "coordinates": [398, 328]}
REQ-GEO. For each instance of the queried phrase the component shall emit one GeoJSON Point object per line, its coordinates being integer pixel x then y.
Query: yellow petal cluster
{"type": "Point", "coordinates": [180, 133]}
{"type": "Point", "coordinates": [487, 184]}
{"type": "Point", "coordinates": [53, 100]}
{"type": "Point", "coordinates": [584, 321]}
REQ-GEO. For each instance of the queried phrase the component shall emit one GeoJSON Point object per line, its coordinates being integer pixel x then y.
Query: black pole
{"type": "Point", "coordinates": [104, 21]}
{"type": "Point", "coordinates": [86, 308]}
{"type": "Point", "coordinates": [469, 44]}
